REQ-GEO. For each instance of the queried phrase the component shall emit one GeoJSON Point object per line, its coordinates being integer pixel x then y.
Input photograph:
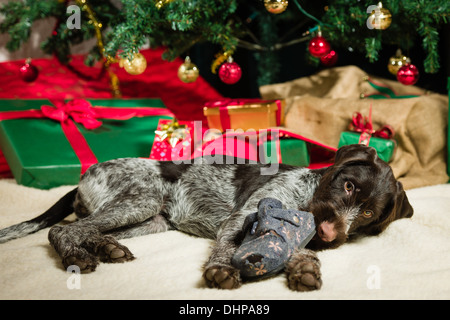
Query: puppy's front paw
{"type": "Point", "coordinates": [303, 272]}
{"type": "Point", "coordinates": [82, 259]}
{"type": "Point", "coordinates": [222, 277]}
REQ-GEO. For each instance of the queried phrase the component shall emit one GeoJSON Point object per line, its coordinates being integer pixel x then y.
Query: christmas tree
{"type": "Point", "coordinates": [262, 28]}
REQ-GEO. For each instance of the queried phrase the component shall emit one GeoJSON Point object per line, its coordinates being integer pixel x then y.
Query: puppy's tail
{"type": "Point", "coordinates": [56, 213]}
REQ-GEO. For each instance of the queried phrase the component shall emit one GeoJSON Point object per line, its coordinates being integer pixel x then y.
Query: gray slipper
{"type": "Point", "coordinates": [271, 236]}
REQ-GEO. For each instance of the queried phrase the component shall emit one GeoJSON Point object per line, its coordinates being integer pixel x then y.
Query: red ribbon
{"type": "Point", "coordinates": [82, 112]}
{"type": "Point", "coordinates": [79, 110]}
{"type": "Point", "coordinates": [364, 125]}
{"type": "Point", "coordinates": [225, 120]}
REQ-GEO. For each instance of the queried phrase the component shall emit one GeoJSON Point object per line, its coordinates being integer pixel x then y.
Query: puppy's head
{"type": "Point", "coordinates": [358, 195]}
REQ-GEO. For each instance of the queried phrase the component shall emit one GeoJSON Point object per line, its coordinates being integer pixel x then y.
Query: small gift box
{"type": "Point", "coordinates": [385, 147]}
{"type": "Point", "coordinates": [48, 144]}
{"type": "Point", "coordinates": [363, 133]}
{"type": "Point", "coordinates": [289, 151]}
{"type": "Point", "coordinates": [173, 141]}
{"type": "Point", "coordinates": [244, 114]}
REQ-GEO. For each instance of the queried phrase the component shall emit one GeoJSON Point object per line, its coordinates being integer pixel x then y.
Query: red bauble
{"type": "Point", "coordinates": [28, 72]}
{"type": "Point", "coordinates": [408, 74]}
{"type": "Point", "coordinates": [319, 46]}
{"type": "Point", "coordinates": [230, 72]}
{"type": "Point", "coordinates": [329, 59]}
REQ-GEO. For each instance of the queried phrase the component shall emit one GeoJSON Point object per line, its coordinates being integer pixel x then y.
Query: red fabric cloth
{"type": "Point", "coordinates": [56, 81]}
{"type": "Point", "coordinates": [159, 80]}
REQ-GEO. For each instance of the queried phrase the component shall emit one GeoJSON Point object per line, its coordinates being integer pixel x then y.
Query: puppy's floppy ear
{"type": "Point", "coordinates": [402, 207]}
{"type": "Point", "coordinates": [355, 153]}
{"type": "Point", "coordinates": [398, 208]}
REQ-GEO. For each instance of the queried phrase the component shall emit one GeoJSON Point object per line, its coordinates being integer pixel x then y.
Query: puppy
{"type": "Point", "coordinates": [357, 195]}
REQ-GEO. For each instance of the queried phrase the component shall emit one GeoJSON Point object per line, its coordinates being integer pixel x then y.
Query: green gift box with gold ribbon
{"type": "Point", "coordinates": [51, 143]}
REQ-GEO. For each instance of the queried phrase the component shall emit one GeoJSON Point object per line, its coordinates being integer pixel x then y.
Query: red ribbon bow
{"type": "Point", "coordinates": [79, 110]}
{"type": "Point", "coordinates": [364, 125]}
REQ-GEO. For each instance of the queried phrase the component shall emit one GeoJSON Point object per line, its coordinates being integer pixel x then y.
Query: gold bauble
{"type": "Point", "coordinates": [136, 66]}
{"type": "Point", "coordinates": [381, 18]}
{"type": "Point", "coordinates": [188, 72]}
{"type": "Point", "coordinates": [161, 3]}
{"type": "Point", "coordinates": [397, 61]}
{"type": "Point", "coordinates": [276, 6]}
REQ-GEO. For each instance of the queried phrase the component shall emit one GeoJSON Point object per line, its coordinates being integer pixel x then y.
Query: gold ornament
{"type": "Point", "coordinates": [276, 6]}
{"type": "Point", "coordinates": [136, 66]}
{"type": "Point", "coordinates": [397, 61]}
{"type": "Point", "coordinates": [188, 72]}
{"type": "Point", "coordinates": [161, 3]}
{"type": "Point", "coordinates": [173, 131]}
{"type": "Point", "coordinates": [380, 18]}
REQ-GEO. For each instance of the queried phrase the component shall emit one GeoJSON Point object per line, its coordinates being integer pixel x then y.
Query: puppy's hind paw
{"type": "Point", "coordinates": [112, 251]}
{"type": "Point", "coordinates": [222, 277]}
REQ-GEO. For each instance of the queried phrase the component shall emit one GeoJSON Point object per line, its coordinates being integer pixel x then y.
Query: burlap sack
{"type": "Point", "coordinates": [321, 106]}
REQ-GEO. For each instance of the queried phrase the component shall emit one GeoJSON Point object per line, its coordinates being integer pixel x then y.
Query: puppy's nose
{"type": "Point", "coordinates": [327, 231]}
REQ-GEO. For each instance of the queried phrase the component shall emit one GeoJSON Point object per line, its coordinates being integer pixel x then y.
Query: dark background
{"type": "Point", "coordinates": [294, 63]}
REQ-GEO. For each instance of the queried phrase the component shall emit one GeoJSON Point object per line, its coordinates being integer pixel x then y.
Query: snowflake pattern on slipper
{"type": "Point", "coordinates": [271, 236]}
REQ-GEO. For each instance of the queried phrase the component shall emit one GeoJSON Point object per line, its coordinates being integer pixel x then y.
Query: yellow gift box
{"type": "Point", "coordinates": [244, 114]}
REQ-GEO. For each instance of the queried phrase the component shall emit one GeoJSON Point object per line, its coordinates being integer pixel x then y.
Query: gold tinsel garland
{"type": "Point", "coordinates": [107, 60]}
{"type": "Point", "coordinates": [220, 58]}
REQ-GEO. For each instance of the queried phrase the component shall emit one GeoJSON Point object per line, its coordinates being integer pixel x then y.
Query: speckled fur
{"type": "Point", "coordinates": [130, 197]}
{"type": "Point", "coordinates": [128, 193]}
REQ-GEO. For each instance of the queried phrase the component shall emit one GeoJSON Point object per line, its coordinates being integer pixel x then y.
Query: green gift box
{"type": "Point", "coordinates": [385, 147]}
{"type": "Point", "coordinates": [38, 150]}
{"type": "Point", "coordinates": [289, 151]}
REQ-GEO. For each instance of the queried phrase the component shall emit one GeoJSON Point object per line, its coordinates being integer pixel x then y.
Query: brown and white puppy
{"type": "Point", "coordinates": [358, 195]}
{"type": "Point", "coordinates": [123, 198]}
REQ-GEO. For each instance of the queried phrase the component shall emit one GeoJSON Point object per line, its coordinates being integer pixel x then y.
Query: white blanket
{"type": "Point", "coordinates": [410, 260]}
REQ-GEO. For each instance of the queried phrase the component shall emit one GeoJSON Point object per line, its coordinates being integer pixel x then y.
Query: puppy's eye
{"type": "Point", "coordinates": [348, 186]}
{"type": "Point", "coordinates": [367, 213]}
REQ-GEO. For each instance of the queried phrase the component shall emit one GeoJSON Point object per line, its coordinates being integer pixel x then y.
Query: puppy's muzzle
{"type": "Point", "coordinates": [327, 231]}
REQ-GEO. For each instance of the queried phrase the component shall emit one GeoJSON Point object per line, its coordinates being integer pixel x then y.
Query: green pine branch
{"type": "Point", "coordinates": [410, 20]}
{"type": "Point", "coordinates": [179, 24]}
{"type": "Point", "coordinates": [19, 17]}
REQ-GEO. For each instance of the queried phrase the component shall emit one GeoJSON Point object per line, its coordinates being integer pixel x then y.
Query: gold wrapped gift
{"type": "Point", "coordinates": [244, 114]}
